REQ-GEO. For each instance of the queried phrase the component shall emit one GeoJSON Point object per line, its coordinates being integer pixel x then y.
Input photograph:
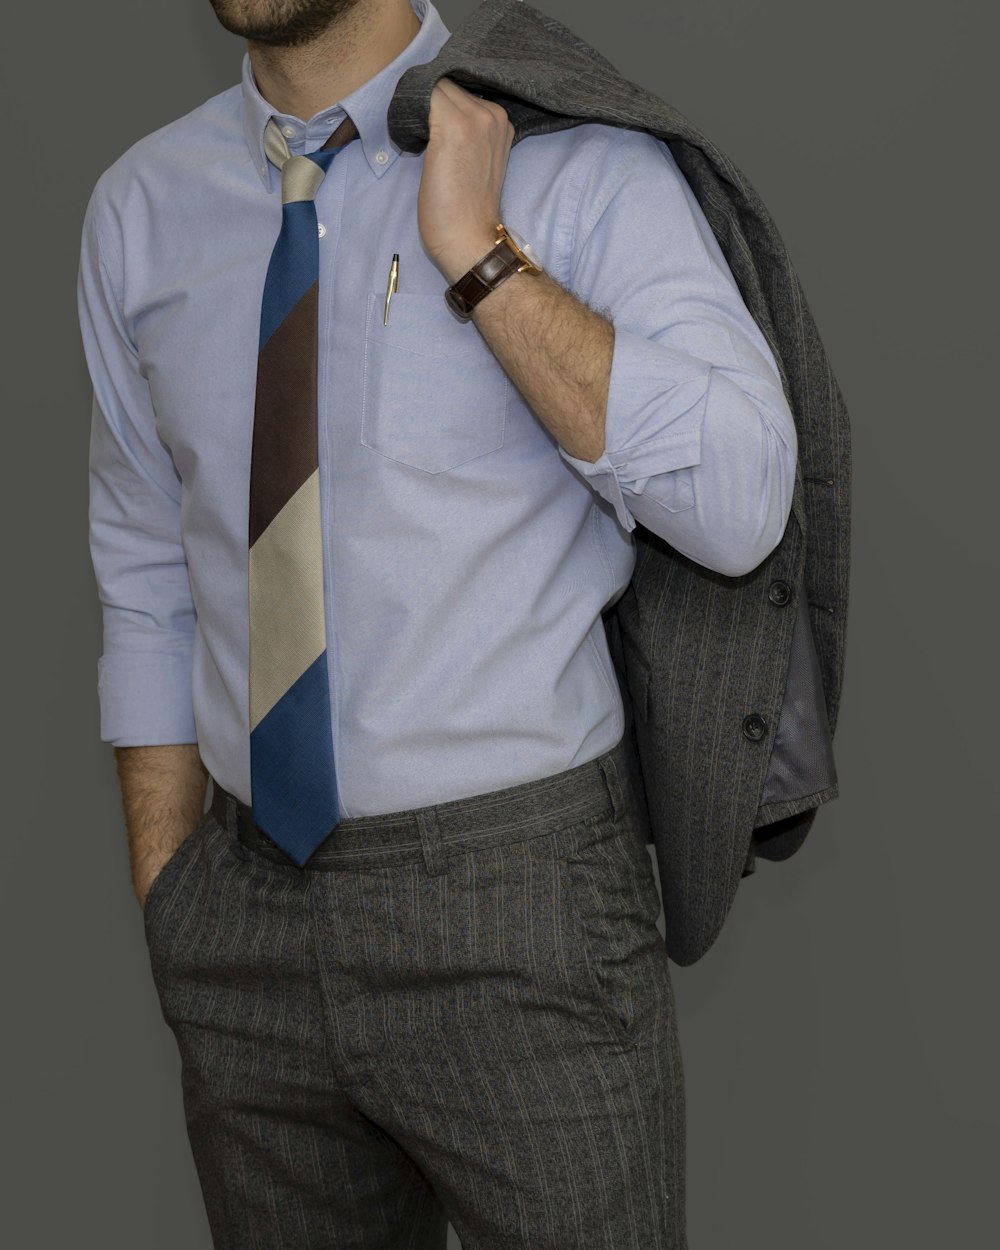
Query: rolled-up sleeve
{"type": "Point", "coordinates": [700, 443]}
{"type": "Point", "coordinates": [144, 673]}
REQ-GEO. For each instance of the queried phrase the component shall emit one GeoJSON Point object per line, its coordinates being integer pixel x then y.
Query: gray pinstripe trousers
{"type": "Point", "coordinates": [462, 1013]}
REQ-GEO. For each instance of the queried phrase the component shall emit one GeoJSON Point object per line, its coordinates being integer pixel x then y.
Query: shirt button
{"type": "Point", "coordinates": [288, 132]}
{"type": "Point", "coordinates": [322, 229]}
{"type": "Point", "coordinates": [381, 156]}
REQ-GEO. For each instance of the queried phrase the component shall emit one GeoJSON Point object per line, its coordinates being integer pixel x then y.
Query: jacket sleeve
{"type": "Point", "coordinates": [144, 673]}
{"type": "Point", "coordinates": [700, 443]}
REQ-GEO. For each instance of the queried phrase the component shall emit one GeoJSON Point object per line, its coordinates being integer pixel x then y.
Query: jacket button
{"type": "Point", "coordinates": [754, 726]}
{"type": "Point", "coordinates": [779, 592]}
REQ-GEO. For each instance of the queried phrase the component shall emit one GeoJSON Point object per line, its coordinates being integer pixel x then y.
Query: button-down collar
{"type": "Point", "coordinates": [367, 106]}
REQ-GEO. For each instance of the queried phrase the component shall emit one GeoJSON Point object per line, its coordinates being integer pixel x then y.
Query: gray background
{"type": "Point", "coordinates": [838, 1037]}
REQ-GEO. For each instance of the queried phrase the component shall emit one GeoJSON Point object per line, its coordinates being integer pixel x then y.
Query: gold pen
{"type": "Point", "coordinates": [393, 285]}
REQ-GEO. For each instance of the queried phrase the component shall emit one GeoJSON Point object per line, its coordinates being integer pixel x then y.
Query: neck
{"type": "Point", "coordinates": [304, 80]}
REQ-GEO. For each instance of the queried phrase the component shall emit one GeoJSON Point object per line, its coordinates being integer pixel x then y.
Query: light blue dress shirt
{"type": "Point", "coordinates": [468, 557]}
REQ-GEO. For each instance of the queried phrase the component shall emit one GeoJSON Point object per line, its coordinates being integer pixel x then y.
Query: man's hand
{"type": "Point", "coordinates": [465, 163]}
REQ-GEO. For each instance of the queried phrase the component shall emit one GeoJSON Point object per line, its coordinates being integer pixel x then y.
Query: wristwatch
{"type": "Point", "coordinates": [510, 254]}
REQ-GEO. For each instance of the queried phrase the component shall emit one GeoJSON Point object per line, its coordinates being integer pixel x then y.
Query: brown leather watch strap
{"type": "Point", "coordinates": [484, 276]}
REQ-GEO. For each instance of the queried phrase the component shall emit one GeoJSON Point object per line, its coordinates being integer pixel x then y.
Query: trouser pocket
{"type": "Point", "coordinates": [610, 900]}
{"type": "Point", "coordinates": [178, 891]}
{"type": "Point", "coordinates": [171, 872]}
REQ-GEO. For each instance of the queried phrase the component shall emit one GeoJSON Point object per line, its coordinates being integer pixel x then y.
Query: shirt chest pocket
{"type": "Point", "coordinates": [435, 396]}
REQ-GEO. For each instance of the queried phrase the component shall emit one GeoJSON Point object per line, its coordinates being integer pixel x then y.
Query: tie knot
{"type": "Point", "coordinates": [301, 175]}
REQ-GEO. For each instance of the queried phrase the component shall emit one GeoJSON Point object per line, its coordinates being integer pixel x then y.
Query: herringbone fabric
{"type": "Point", "coordinates": [292, 770]}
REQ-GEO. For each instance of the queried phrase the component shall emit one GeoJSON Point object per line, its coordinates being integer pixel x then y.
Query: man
{"type": "Point", "coordinates": [454, 1003]}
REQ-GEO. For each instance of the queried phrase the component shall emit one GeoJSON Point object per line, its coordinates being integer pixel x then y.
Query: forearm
{"type": "Point", "coordinates": [163, 796]}
{"type": "Point", "coordinates": [558, 354]}
{"type": "Point", "coordinates": [554, 348]}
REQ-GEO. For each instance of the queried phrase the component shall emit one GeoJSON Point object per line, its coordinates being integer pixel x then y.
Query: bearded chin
{"type": "Point", "coordinates": [280, 23]}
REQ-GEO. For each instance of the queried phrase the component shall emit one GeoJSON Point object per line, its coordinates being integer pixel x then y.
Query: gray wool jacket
{"type": "Point", "coordinates": [731, 685]}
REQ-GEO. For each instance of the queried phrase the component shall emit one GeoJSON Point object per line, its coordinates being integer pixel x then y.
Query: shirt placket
{"type": "Point", "coordinates": [329, 215]}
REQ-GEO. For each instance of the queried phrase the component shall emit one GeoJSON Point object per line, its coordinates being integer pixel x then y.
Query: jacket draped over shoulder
{"type": "Point", "coordinates": [731, 685]}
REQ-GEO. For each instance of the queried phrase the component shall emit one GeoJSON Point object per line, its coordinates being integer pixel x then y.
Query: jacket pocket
{"type": "Point", "coordinates": [435, 396]}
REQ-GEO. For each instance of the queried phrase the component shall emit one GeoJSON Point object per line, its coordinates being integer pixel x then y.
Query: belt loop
{"type": "Point", "coordinates": [613, 780]}
{"type": "Point", "coordinates": [219, 806]}
{"type": "Point", "coordinates": [435, 856]}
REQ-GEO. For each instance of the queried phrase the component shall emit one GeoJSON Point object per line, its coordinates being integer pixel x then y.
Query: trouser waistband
{"type": "Point", "coordinates": [597, 788]}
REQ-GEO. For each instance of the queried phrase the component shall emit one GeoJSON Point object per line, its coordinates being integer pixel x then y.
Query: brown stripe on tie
{"type": "Point", "coordinates": [343, 135]}
{"type": "Point", "coordinates": [285, 449]}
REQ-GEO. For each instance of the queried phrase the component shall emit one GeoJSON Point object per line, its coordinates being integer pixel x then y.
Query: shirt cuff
{"type": "Point", "coordinates": [145, 698]}
{"type": "Point", "coordinates": [653, 421]}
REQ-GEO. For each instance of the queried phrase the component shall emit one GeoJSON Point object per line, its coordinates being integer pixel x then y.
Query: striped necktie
{"type": "Point", "coordinates": [292, 773]}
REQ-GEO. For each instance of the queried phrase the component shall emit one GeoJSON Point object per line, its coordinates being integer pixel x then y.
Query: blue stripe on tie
{"type": "Point", "coordinates": [294, 263]}
{"type": "Point", "coordinates": [293, 268]}
{"type": "Point", "coordinates": [294, 783]}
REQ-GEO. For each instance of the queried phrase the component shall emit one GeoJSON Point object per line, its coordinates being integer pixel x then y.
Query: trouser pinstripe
{"type": "Point", "coordinates": [455, 1013]}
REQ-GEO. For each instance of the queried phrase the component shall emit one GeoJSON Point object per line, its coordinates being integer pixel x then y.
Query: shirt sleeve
{"type": "Point", "coordinates": [700, 442]}
{"type": "Point", "coordinates": [144, 674]}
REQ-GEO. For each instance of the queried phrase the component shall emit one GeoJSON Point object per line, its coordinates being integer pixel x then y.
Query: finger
{"type": "Point", "coordinates": [457, 96]}
{"type": "Point", "coordinates": [469, 100]}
